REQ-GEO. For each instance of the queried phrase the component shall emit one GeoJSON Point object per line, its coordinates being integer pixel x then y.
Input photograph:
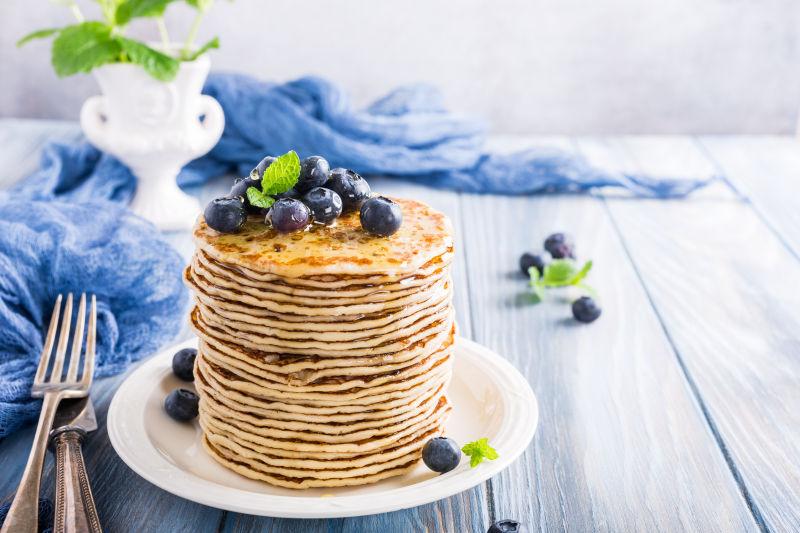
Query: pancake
{"type": "Point", "coordinates": [340, 249]}
{"type": "Point", "coordinates": [324, 355]}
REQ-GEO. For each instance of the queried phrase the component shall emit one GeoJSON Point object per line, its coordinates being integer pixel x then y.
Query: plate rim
{"type": "Point", "coordinates": [522, 420]}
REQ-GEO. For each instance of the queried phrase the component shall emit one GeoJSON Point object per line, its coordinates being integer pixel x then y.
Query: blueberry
{"type": "Point", "coordinates": [183, 363]}
{"type": "Point", "coordinates": [325, 205]}
{"type": "Point", "coordinates": [353, 189]}
{"type": "Point", "coordinates": [258, 172]}
{"type": "Point", "coordinates": [528, 260]}
{"type": "Point", "coordinates": [313, 173]}
{"type": "Point", "coordinates": [505, 526]}
{"type": "Point", "coordinates": [381, 216]}
{"type": "Point", "coordinates": [291, 193]}
{"type": "Point", "coordinates": [560, 246]}
{"type": "Point", "coordinates": [181, 404]}
{"type": "Point", "coordinates": [239, 190]}
{"type": "Point", "coordinates": [585, 310]}
{"type": "Point", "coordinates": [289, 214]}
{"type": "Point", "coordinates": [226, 215]}
{"type": "Point", "coordinates": [441, 454]}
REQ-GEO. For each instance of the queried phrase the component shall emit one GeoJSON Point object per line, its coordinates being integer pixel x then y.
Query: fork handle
{"type": "Point", "coordinates": [23, 516]}
{"type": "Point", "coordinates": [75, 510]}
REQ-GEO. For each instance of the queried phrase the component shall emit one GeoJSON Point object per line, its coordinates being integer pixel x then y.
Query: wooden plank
{"type": "Point", "coordinates": [723, 285]}
{"type": "Point", "coordinates": [622, 444]}
{"type": "Point", "coordinates": [765, 170]}
{"type": "Point", "coordinates": [125, 501]}
{"type": "Point", "coordinates": [467, 511]}
{"type": "Point", "coordinates": [22, 141]}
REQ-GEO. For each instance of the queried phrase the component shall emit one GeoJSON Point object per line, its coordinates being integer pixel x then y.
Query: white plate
{"type": "Point", "coordinates": [490, 399]}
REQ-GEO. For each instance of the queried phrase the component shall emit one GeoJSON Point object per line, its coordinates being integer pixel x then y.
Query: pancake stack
{"type": "Point", "coordinates": [324, 355]}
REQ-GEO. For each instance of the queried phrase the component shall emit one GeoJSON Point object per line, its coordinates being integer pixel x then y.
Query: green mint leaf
{"type": "Point", "coordinates": [559, 272]}
{"type": "Point", "coordinates": [200, 5]}
{"type": "Point", "coordinates": [536, 284]}
{"type": "Point", "coordinates": [82, 47]}
{"type": "Point", "coordinates": [160, 66]}
{"type": "Point", "coordinates": [478, 451]}
{"type": "Point", "coordinates": [258, 198]}
{"type": "Point", "coordinates": [38, 34]}
{"type": "Point", "coordinates": [282, 174]}
{"type": "Point", "coordinates": [576, 279]}
{"type": "Point", "coordinates": [213, 43]}
{"type": "Point", "coordinates": [131, 9]}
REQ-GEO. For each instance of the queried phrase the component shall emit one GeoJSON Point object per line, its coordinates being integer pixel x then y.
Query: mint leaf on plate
{"type": "Point", "coordinates": [38, 34]}
{"type": "Point", "coordinates": [213, 43]}
{"type": "Point", "coordinates": [258, 198]}
{"type": "Point", "coordinates": [282, 174]}
{"type": "Point", "coordinates": [160, 66]}
{"type": "Point", "coordinates": [478, 451]}
{"type": "Point", "coordinates": [82, 47]}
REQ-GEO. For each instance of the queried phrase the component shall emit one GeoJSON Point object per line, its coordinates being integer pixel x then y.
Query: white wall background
{"type": "Point", "coordinates": [532, 66]}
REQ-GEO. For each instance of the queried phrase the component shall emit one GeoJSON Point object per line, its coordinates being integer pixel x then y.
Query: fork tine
{"type": "Point", "coordinates": [91, 337]}
{"type": "Point", "coordinates": [77, 341]}
{"type": "Point", "coordinates": [63, 338]}
{"type": "Point", "coordinates": [44, 359]}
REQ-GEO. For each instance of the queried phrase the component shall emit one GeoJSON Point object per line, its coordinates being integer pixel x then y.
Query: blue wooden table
{"type": "Point", "coordinates": [678, 410]}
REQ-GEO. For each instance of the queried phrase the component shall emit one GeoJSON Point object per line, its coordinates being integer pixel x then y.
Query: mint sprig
{"type": "Point", "coordinates": [559, 273]}
{"type": "Point", "coordinates": [82, 47]}
{"type": "Point", "coordinates": [279, 177]}
{"type": "Point", "coordinates": [478, 451]}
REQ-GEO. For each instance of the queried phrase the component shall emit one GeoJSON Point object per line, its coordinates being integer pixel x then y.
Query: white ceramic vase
{"type": "Point", "coordinates": [155, 128]}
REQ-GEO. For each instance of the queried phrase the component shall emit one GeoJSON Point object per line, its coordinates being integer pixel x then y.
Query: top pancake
{"type": "Point", "coordinates": [343, 248]}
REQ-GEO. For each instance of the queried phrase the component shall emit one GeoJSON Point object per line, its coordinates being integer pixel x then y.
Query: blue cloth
{"type": "Point", "coordinates": [407, 134]}
{"type": "Point", "coordinates": [47, 248]}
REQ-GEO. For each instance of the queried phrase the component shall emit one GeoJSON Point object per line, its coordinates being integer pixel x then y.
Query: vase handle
{"type": "Point", "coordinates": [93, 122]}
{"type": "Point", "coordinates": [214, 121]}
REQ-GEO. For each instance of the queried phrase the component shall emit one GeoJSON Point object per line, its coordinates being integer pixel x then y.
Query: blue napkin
{"type": "Point", "coordinates": [47, 248]}
{"type": "Point", "coordinates": [407, 134]}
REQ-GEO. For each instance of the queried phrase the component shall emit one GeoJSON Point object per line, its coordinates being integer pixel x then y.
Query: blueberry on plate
{"type": "Point", "coordinates": [225, 215]}
{"type": "Point", "coordinates": [289, 214]}
{"type": "Point", "coordinates": [182, 405]}
{"type": "Point", "coordinates": [313, 173]}
{"type": "Point", "coordinates": [325, 205]}
{"type": "Point", "coordinates": [560, 246]}
{"type": "Point", "coordinates": [505, 526]}
{"type": "Point", "coordinates": [183, 364]}
{"type": "Point", "coordinates": [258, 172]}
{"type": "Point", "coordinates": [239, 190]}
{"type": "Point", "coordinates": [528, 260]}
{"type": "Point", "coordinates": [585, 310]}
{"type": "Point", "coordinates": [441, 454]}
{"type": "Point", "coordinates": [381, 216]}
{"type": "Point", "coordinates": [352, 188]}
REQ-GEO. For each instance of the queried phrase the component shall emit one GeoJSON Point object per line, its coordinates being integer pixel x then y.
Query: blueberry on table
{"type": "Point", "coordinates": [325, 205]}
{"type": "Point", "coordinates": [505, 526]}
{"type": "Point", "coordinates": [560, 246]}
{"type": "Point", "coordinates": [381, 216]}
{"type": "Point", "coordinates": [288, 214]}
{"type": "Point", "coordinates": [258, 172]}
{"type": "Point", "coordinates": [183, 364]}
{"type": "Point", "coordinates": [226, 215]}
{"type": "Point", "coordinates": [352, 188]}
{"type": "Point", "coordinates": [182, 405]}
{"type": "Point", "coordinates": [441, 454]}
{"type": "Point", "coordinates": [313, 173]}
{"type": "Point", "coordinates": [528, 260]}
{"type": "Point", "coordinates": [585, 310]}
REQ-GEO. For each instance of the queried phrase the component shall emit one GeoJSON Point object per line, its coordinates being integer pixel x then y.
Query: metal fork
{"type": "Point", "coordinates": [53, 387]}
